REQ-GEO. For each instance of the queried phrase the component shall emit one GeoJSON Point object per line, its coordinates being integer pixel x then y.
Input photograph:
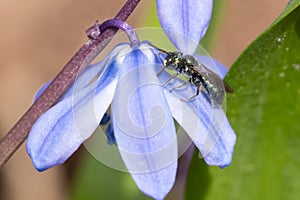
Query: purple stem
{"type": "Point", "coordinates": [184, 162]}
{"type": "Point", "coordinates": [133, 37]}
{"type": "Point", "coordinates": [66, 77]}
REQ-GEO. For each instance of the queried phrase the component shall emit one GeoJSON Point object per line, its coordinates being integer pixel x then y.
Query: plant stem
{"type": "Point", "coordinates": [66, 77]}
{"type": "Point", "coordinates": [131, 34]}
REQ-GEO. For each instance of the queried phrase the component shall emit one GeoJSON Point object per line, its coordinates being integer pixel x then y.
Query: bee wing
{"type": "Point", "coordinates": [213, 84]}
{"type": "Point", "coordinates": [208, 75]}
{"type": "Point", "coordinates": [228, 89]}
{"type": "Point", "coordinates": [214, 76]}
{"type": "Point", "coordinates": [204, 71]}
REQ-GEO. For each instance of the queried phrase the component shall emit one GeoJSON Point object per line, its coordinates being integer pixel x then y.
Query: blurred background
{"type": "Point", "coordinates": [38, 37]}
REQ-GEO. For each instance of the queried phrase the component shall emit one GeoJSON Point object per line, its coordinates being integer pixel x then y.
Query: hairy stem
{"type": "Point", "coordinates": [66, 77]}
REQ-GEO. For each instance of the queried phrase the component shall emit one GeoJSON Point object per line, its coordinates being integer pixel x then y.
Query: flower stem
{"type": "Point", "coordinates": [66, 77]}
{"type": "Point", "coordinates": [133, 37]}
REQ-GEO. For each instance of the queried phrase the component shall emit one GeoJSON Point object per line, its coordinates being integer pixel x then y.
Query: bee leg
{"type": "Point", "coordinates": [188, 99]}
{"type": "Point", "coordinates": [180, 86]}
{"type": "Point", "coordinates": [191, 97]}
{"type": "Point", "coordinates": [162, 60]}
{"type": "Point", "coordinates": [201, 88]}
{"type": "Point", "coordinates": [160, 71]}
{"type": "Point", "coordinates": [173, 76]}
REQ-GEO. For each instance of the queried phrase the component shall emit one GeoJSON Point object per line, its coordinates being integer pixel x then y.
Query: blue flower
{"type": "Point", "coordinates": [142, 110]}
{"type": "Point", "coordinates": [142, 121]}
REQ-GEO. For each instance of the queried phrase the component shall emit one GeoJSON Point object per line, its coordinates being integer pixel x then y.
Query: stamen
{"type": "Point", "coordinates": [94, 31]}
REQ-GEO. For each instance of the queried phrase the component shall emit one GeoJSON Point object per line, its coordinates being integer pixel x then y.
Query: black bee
{"type": "Point", "coordinates": [197, 74]}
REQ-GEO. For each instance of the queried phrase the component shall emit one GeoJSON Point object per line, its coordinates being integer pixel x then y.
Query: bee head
{"type": "Point", "coordinates": [172, 60]}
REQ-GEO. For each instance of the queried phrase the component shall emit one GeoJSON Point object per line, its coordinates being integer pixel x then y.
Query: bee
{"type": "Point", "coordinates": [197, 74]}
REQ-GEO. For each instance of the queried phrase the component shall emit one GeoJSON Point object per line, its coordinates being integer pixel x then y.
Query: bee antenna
{"type": "Point", "coordinates": [164, 51]}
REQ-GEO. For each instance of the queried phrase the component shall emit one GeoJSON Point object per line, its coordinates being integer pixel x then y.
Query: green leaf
{"type": "Point", "coordinates": [265, 113]}
{"type": "Point", "coordinates": [199, 181]}
{"type": "Point", "coordinates": [290, 7]}
{"type": "Point", "coordinates": [94, 181]}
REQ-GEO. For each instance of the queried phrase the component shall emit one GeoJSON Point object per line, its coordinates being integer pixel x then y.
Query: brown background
{"type": "Point", "coordinates": [38, 37]}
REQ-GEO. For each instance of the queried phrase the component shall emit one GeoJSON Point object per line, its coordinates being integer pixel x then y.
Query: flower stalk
{"type": "Point", "coordinates": [132, 35]}
{"type": "Point", "coordinates": [66, 77]}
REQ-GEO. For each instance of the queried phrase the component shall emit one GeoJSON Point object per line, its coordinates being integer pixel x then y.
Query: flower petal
{"type": "Point", "coordinates": [105, 119]}
{"type": "Point", "coordinates": [41, 90]}
{"type": "Point", "coordinates": [143, 124]}
{"type": "Point", "coordinates": [184, 22]}
{"type": "Point", "coordinates": [208, 127]}
{"type": "Point", "coordinates": [85, 77]}
{"type": "Point", "coordinates": [60, 131]}
{"type": "Point", "coordinates": [110, 134]}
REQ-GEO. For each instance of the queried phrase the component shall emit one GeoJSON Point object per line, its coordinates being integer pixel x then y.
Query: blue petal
{"type": "Point", "coordinates": [143, 124]}
{"type": "Point", "coordinates": [184, 22]}
{"type": "Point", "coordinates": [105, 119]}
{"type": "Point", "coordinates": [41, 90]}
{"type": "Point", "coordinates": [110, 134]}
{"type": "Point", "coordinates": [208, 127]}
{"type": "Point", "coordinates": [85, 77]}
{"type": "Point", "coordinates": [61, 130]}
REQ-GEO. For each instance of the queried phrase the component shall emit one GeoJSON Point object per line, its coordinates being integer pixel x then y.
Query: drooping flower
{"type": "Point", "coordinates": [142, 121]}
{"type": "Point", "coordinates": [142, 110]}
